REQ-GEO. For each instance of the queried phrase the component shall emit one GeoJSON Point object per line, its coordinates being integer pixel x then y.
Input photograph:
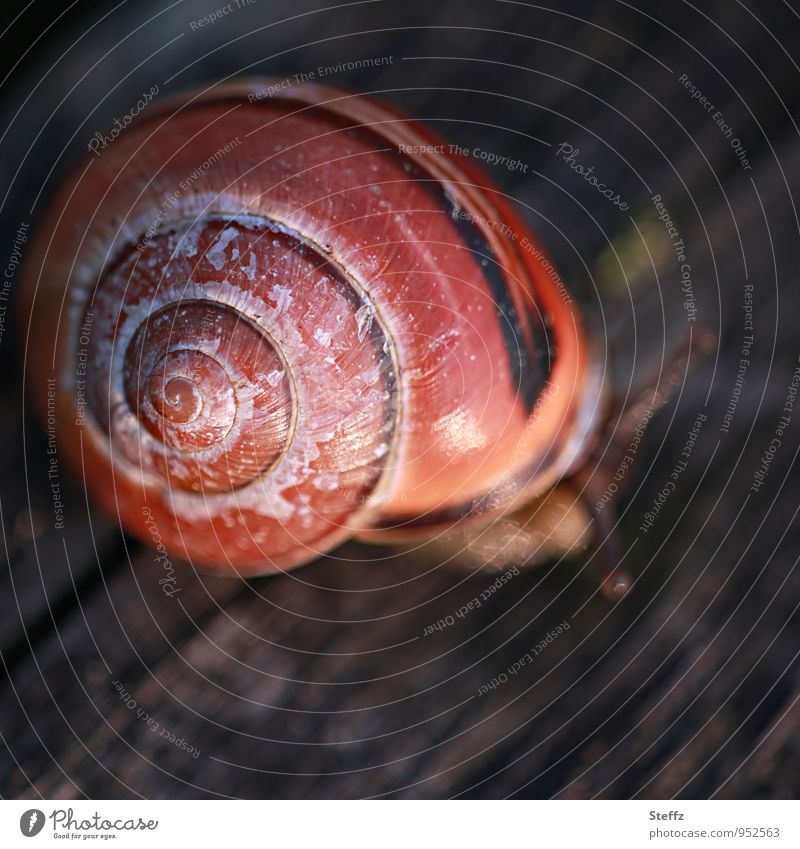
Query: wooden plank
{"type": "Point", "coordinates": [321, 683]}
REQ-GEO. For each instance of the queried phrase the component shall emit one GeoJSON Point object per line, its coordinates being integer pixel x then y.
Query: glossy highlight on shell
{"type": "Point", "coordinates": [303, 331]}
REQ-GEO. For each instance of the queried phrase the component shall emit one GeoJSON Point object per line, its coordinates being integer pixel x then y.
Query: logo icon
{"type": "Point", "coordinates": [31, 822]}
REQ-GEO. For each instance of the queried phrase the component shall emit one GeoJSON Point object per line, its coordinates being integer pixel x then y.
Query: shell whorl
{"type": "Point", "coordinates": [218, 384]}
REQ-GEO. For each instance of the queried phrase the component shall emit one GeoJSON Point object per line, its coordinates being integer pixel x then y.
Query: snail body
{"type": "Point", "coordinates": [282, 322]}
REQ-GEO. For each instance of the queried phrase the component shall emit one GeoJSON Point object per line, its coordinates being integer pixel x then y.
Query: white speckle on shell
{"type": "Point", "coordinates": [326, 482]}
{"type": "Point", "coordinates": [250, 268]}
{"type": "Point", "coordinates": [283, 298]}
{"type": "Point", "coordinates": [323, 337]}
{"type": "Point", "coordinates": [371, 375]}
{"type": "Point", "coordinates": [364, 319]}
{"type": "Point", "coordinates": [216, 253]}
{"type": "Point", "coordinates": [460, 432]}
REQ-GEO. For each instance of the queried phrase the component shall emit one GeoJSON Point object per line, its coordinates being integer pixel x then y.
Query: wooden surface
{"type": "Point", "coordinates": [322, 683]}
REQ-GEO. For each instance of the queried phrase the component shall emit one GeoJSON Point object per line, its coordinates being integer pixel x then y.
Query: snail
{"type": "Point", "coordinates": [282, 321]}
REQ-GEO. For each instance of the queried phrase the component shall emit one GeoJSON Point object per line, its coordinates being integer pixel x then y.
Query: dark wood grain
{"type": "Point", "coordinates": [320, 683]}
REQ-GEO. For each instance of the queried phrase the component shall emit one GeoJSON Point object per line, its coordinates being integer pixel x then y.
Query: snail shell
{"type": "Point", "coordinates": [278, 323]}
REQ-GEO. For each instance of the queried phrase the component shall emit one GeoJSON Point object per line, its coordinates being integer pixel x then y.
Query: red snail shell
{"type": "Point", "coordinates": [283, 322]}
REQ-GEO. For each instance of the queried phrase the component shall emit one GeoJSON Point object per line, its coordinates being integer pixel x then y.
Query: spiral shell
{"type": "Point", "coordinates": [299, 324]}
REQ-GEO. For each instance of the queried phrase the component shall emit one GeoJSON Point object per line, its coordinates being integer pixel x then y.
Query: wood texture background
{"type": "Point", "coordinates": [321, 683]}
